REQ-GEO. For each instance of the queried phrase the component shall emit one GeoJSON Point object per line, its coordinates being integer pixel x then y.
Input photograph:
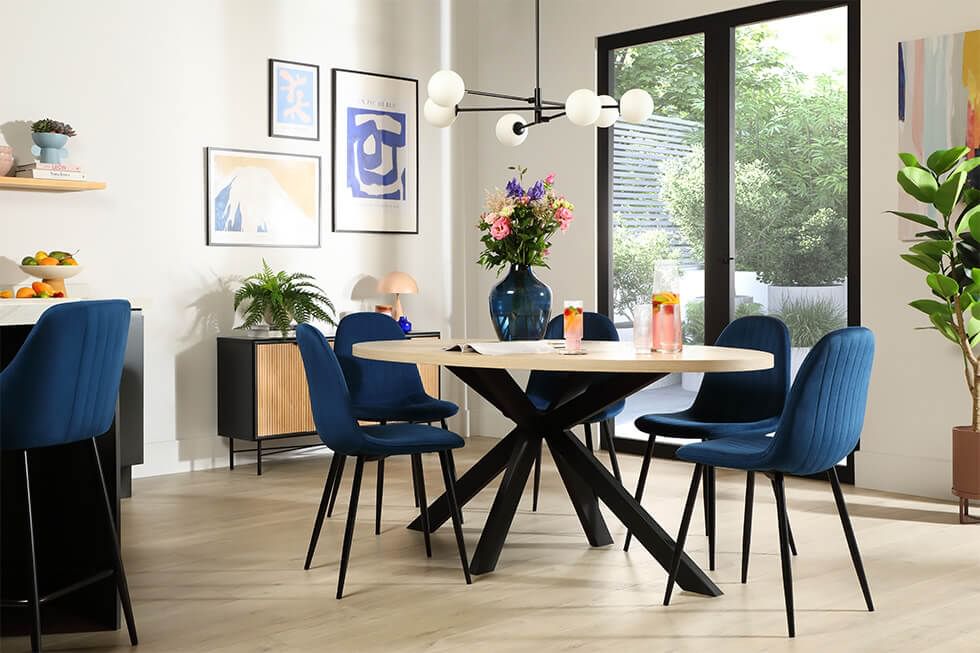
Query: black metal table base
{"type": "Point", "coordinates": [585, 479]}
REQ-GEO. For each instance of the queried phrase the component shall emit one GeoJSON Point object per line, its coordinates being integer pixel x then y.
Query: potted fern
{"type": "Point", "coordinates": [950, 257]}
{"type": "Point", "coordinates": [282, 300]}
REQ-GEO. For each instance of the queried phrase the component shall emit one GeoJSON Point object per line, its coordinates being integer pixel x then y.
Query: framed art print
{"type": "Point", "coordinates": [294, 100]}
{"type": "Point", "coordinates": [375, 153]}
{"type": "Point", "coordinates": [262, 199]}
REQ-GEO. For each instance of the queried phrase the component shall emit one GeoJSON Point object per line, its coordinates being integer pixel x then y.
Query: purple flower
{"type": "Point", "coordinates": [514, 188]}
{"type": "Point", "coordinates": [537, 191]}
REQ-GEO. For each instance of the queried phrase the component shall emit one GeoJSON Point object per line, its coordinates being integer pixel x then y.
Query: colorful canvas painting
{"type": "Point", "coordinates": [294, 100]}
{"type": "Point", "coordinates": [263, 198]}
{"type": "Point", "coordinates": [938, 102]}
{"type": "Point", "coordinates": [375, 153]}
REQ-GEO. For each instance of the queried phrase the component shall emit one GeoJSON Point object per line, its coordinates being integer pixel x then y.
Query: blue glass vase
{"type": "Point", "coordinates": [520, 305]}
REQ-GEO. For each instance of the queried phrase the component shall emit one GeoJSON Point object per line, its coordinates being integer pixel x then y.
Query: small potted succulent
{"type": "Point", "coordinates": [50, 137]}
{"type": "Point", "coordinates": [281, 300]}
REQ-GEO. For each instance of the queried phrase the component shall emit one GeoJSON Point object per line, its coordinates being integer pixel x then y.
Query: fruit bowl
{"type": "Point", "coordinates": [54, 275]}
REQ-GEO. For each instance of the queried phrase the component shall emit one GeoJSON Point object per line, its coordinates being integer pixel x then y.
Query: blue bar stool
{"type": "Point", "coordinates": [820, 426]}
{"type": "Point", "coordinates": [74, 357]}
{"type": "Point", "coordinates": [338, 428]}
{"type": "Point", "coordinates": [731, 404]}
{"type": "Point", "coordinates": [544, 388]}
{"type": "Point", "coordinates": [382, 392]}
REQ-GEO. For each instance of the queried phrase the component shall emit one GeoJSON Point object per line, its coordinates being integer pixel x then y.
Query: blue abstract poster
{"type": "Point", "coordinates": [375, 153]}
{"type": "Point", "coordinates": [294, 105]}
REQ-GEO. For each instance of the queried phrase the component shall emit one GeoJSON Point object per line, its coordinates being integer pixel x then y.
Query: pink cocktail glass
{"type": "Point", "coordinates": [574, 316]}
{"type": "Point", "coordinates": [667, 336]}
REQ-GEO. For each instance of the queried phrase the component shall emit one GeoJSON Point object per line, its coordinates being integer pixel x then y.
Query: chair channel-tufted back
{"type": "Point", "coordinates": [329, 396]}
{"type": "Point", "coordinates": [367, 379]}
{"type": "Point", "coordinates": [824, 414]}
{"type": "Point", "coordinates": [63, 383]}
{"type": "Point", "coordinates": [748, 396]}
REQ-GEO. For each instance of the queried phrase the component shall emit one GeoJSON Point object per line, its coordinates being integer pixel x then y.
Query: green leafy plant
{"type": "Point", "coordinates": [635, 255]}
{"type": "Point", "coordinates": [49, 126]}
{"type": "Point", "coordinates": [278, 299]}
{"type": "Point", "coordinates": [950, 253]}
{"type": "Point", "coordinates": [810, 318]}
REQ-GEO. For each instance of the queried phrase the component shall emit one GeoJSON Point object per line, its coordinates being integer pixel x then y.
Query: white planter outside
{"type": "Point", "coordinates": [780, 294]}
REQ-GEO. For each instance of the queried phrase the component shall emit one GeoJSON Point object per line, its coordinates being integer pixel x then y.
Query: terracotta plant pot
{"type": "Point", "coordinates": [966, 470]}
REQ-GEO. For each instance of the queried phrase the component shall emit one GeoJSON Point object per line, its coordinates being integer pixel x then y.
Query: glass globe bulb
{"type": "Point", "coordinates": [446, 88]}
{"type": "Point", "coordinates": [636, 105]}
{"type": "Point", "coordinates": [582, 107]}
{"type": "Point", "coordinates": [607, 116]}
{"type": "Point", "coordinates": [505, 130]}
{"type": "Point", "coordinates": [438, 115]}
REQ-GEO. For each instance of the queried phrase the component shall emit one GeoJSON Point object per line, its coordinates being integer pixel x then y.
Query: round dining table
{"type": "Point", "coordinates": [606, 373]}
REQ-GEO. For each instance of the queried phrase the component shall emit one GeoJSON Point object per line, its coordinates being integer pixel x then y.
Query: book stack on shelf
{"type": "Point", "coordinates": [38, 170]}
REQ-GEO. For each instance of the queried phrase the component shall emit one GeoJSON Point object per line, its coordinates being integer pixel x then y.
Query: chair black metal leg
{"type": "Point", "coordinates": [231, 453]}
{"type": "Point", "coordinates": [121, 585]}
{"type": "Point", "coordinates": [747, 523]}
{"type": "Point", "coordinates": [415, 483]}
{"type": "Point", "coordinates": [379, 495]}
{"type": "Point", "coordinates": [537, 479]}
{"type": "Point", "coordinates": [341, 459]}
{"type": "Point", "coordinates": [328, 487]}
{"type": "Point", "coordinates": [789, 528]}
{"type": "Point", "coordinates": [355, 492]}
{"type": "Point", "coordinates": [588, 437]}
{"type": "Point", "coordinates": [784, 555]}
{"type": "Point", "coordinates": [606, 431]}
{"type": "Point", "coordinates": [35, 594]}
{"type": "Point", "coordinates": [845, 521]}
{"type": "Point", "coordinates": [446, 460]}
{"type": "Point", "coordinates": [445, 427]}
{"type": "Point", "coordinates": [642, 482]}
{"type": "Point", "coordinates": [423, 503]}
{"type": "Point", "coordinates": [675, 563]}
{"type": "Point", "coordinates": [452, 471]}
{"type": "Point", "coordinates": [709, 513]}
{"type": "Point", "coordinates": [258, 457]}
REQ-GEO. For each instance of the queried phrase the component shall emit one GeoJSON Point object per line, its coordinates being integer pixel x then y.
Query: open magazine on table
{"type": "Point", "coordinates": [503, 348]}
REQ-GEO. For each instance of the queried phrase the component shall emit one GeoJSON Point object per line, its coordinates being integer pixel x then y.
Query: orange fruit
{"type": "Point", "coordinates": [6, 294]}
{"type": "Point", "coordinates": [69, 261]}
{"type": "Point", "coordinates": [40, 287]}
{"type": "Point", "coordinates": [24, 293]}
{"type": "Point", "coordinates": [48, 261]}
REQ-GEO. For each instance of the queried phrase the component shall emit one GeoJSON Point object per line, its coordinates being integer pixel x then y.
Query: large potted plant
{"type": "Point", "coordinates": [950, 257]}
{"type": "Point", "coordinates": [517, 228]}
{"type": "Point", "coordinates": [282, 300]}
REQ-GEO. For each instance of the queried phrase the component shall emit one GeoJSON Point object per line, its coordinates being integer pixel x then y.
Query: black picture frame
{"type": "Point", "coordinates": [209, 241]}
{"type": "Point", "coordinates": [334, 153]}
{"type": "Point", "coordinates": [272, 94]}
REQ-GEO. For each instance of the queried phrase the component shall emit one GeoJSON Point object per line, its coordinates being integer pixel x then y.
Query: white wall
{"type": "Point", "coordinates": [917, 391]}
{"type": "Point", "coordinates": [148, 85]}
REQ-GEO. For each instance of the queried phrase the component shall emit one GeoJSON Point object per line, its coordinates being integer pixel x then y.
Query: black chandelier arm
{"type": "Point", "coordinates": [501, 96]}
{"type": "Point", "coordinates": [476, 109]}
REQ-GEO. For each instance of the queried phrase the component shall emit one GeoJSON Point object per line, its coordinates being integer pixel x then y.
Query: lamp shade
{"type": "Point", "coordinates": [607, 116]}
{"type": "Point", "coordinates": [438, 115]}
{"type": "Point", "coordinates": [446, 88]}
{"type": "Point", "coordinates": [582, 107]}
{"type": "Point", "coordinates": [636, 105]}
{"type": "Point", "coordinates": [398, 282]}
{"type": "Point", "coordinates": [505, 130]}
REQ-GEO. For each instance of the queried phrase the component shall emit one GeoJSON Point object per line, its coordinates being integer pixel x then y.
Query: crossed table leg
{"type": "Point", "coordinates": [585, 479]}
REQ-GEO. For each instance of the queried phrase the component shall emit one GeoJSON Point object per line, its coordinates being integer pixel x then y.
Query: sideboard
{"type": "Point", "coordinates": [263, 396]}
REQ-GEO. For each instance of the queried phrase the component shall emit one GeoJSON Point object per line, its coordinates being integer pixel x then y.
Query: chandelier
{"type": "Point", "coordinates": [582, 107]}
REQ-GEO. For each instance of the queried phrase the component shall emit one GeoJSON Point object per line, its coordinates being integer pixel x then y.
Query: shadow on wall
{"type": "Point", "coordinates": [363, 289]}
{"type": "Point", "coordinates": [10, 274]}
{"type": "Point", "coordinates": [195, 369]}
{"type": "Point", "coordinates": [17, 133]}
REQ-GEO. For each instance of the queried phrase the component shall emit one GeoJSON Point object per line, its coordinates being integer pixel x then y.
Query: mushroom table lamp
{"type": "Point", "coordinates": [398, 283]}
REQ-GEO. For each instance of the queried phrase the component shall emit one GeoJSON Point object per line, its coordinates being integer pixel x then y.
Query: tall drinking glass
{"type": "Point", "coordinates": [574, 315]}
{"type": "Point", "coordinates": [666, 313]}
{"type": "Point", "coordinates": [642, 340]}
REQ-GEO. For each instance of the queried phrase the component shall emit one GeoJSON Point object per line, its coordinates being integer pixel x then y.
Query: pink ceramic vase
{"type": "Point", "coordinates": [6, 159]}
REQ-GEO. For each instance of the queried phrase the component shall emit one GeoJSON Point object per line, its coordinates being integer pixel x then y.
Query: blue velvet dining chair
{"type": "Point", "coordinates": [381, 391]}
{"type": "Point", "coordinates": [73, 358]}
{"type": "Point", "coordinates": [338, 428]}
{"type": "Point", "coordinates": [820, 426]}
{"type": "Point", "coordinates": [728, 404]}
{"type": "Point", "coordinates": [544, 388]}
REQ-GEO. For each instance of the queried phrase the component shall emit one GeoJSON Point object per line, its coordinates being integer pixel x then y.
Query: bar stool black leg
{"type": "Point", "coordinates": [747, 523]}
{"type": "Point", "coordinates": [423, 503]}
{"type": "Point", "coordinates": [675, 564]}
{"type": "Point", "coordinates": [642, 482]}
{"type": "Point", "coordinates": [852, 545]}
{"type": "Point", "coordinates": [328, 487]}
{"type": "Point", "coordinates": [784, 554]}
{"type": "Point", "coordinates": [121, 584]}
{"type": "Point", "coordinates": [355, 492]}
{"type": "Point", "coordinates": [445, 458]}
{"type": "Point", "coordinates": [35, 594]}
{"type": "Point", "coordinates": [341, 459]}
{"type": "Point", "coordinates": [379, 495]}
{"type": "Point", "coordinates": [537, 479]}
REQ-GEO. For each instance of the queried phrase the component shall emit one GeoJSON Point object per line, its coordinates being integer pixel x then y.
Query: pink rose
{"type": "Point", "coordinates": [490, 218]}
{"type": "Point", "coordinates": [550, 179]}
{"type": "Point", "coordinates": [563, 225]}
{"type": "Point", "coordinates": [500, 229]}
{"type": "Point", "coordinates": [546, 252]}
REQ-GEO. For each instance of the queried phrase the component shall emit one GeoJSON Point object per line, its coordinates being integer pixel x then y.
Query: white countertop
{"type": "Point", "coordinates": [27, 311]}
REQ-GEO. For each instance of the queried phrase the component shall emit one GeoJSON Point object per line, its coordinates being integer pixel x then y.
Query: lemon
{"type": "Point", "coordinates": [40, 254]}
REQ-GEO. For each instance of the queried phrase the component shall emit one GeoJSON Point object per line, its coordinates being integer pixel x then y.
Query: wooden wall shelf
{"type": "Point", "coordinates": [56, 185]}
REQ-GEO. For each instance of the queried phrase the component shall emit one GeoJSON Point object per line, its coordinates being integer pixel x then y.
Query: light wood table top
{"type": "Point", "coordinates": [599, 357]}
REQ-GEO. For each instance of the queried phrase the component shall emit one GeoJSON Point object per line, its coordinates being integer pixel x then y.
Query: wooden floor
{"type": "Point", "coordinates": [215, 562]}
